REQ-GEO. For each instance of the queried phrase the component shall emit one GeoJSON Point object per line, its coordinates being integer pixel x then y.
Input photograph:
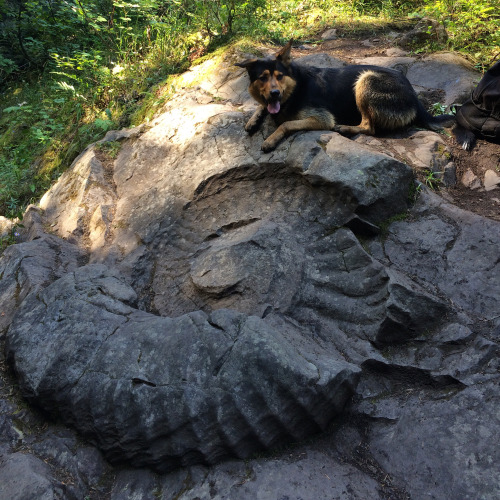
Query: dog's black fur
{"type": "Point", "coordinates": [350, 100]}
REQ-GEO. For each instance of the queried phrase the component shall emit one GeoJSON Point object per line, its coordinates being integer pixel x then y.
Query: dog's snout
{"type": "Point", "coordinates": [275, 93]}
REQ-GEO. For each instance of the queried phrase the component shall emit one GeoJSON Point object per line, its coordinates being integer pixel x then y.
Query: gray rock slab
{"type": "Point", "coordinates": [203, 388]}
{"type": "Point", "coordinates": [435, 461]}
{"type": "Point", "coordinates": [64, 451]}
{"type": "Point", "coordinates": [330, 34]}
{"type": "Point", "coordinates": [455, 252]}
{"type": "Point", "coordinates": [312, 474]}
{"type": "Point", "coordinates": [363, 177]}
{"type": "Point", "coordinates": [321, 61]}
{"type": "Point", "coordinates": [24, 476]}
{"type": "Point", "coordinates": [196, 300]}
{"type": "Point", "coordinates": [136, 484]}
{"type": "Point", "coordinates": [29, 267]}
{"type": "Point", "coordinates": [401, 62]}
{"type": "Point", "coordinates": [445, 71]}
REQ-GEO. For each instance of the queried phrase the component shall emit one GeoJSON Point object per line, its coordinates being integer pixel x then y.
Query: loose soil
{"type": "Point", "coordinates": [484, 156]}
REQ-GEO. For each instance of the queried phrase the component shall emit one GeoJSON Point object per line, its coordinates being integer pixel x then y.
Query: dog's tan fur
{"type": "Point", "coordinates": [376, 106]}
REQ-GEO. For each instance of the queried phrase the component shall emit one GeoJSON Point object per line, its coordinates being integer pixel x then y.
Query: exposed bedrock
{"type": "Point", "coordinates": [198, 343]}
{"type": "Point", "coordinates": [172, 391]}
{"type": "Point", "coordinates": [195, 299]}
{"type": "Point", "coordinates": [214, 354]}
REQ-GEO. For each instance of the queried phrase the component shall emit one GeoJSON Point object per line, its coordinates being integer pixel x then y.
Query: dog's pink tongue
{"type": "Point", "coordinates": [274, 107]}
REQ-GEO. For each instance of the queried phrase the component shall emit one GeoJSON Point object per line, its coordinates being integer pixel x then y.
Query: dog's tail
{"type": "Point", "coordinates": [426, 120]}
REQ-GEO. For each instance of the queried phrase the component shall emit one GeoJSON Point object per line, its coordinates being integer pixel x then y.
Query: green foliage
{"type": "Point", "coordinates": [473, 26]}
{"type": "Point", "coordinates": [432, 179]}
{"type": "Point", "coordinates": [109, 148]}
{"type": "Point", "coordinates": [10, 238]}
{"type": "Point", "coordinates": [438, 108]}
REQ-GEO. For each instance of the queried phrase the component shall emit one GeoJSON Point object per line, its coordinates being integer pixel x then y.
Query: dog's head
{"type": "Point", "coordinates": [271, 81]}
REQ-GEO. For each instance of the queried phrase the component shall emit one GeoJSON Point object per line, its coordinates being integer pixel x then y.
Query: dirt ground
{"type": "Point", "coordinates": [484, 156]}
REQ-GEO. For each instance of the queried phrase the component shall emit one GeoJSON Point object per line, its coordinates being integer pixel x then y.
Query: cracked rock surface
{"type": "Point", "coordinates": [195, 301]}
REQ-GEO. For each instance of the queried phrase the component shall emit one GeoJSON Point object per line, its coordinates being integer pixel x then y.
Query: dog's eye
{"type": "Point", "coordinates": [263, 78]}
{"type": "Point", "coordinates": [279, 77]}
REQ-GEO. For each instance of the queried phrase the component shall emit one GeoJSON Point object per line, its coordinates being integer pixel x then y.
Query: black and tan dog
{"type": "Point", "coordinates": [350, 100]}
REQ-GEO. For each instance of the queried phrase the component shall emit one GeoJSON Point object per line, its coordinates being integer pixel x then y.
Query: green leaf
{"type": "Point", "coordinates": [103, 124]}
{"type": "Point", "coordinates": [11, 109]}
{"type": "Point", "coordinates": [66, 86]}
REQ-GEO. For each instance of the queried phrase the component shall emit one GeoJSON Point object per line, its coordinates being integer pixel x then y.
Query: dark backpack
{"type": "Point", "coordinates": [481, 113]}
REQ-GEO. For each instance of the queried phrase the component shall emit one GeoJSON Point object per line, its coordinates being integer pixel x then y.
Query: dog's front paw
{"type": "Point", "coordinates": [256, 121]}
{"type": "Point", "coordinates": [252, 126]}
{"type": "Point", "coordinates": [268, 146]}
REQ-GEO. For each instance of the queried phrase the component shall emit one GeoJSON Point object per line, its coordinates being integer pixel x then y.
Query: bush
{"type": "Point", "coordinates": [473, 27]}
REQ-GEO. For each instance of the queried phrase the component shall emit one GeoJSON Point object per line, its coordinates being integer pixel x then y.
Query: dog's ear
{"type": "Point", "coordinates": [284, 55]}
{"type": "Point", "coordinates": [247, 63]}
